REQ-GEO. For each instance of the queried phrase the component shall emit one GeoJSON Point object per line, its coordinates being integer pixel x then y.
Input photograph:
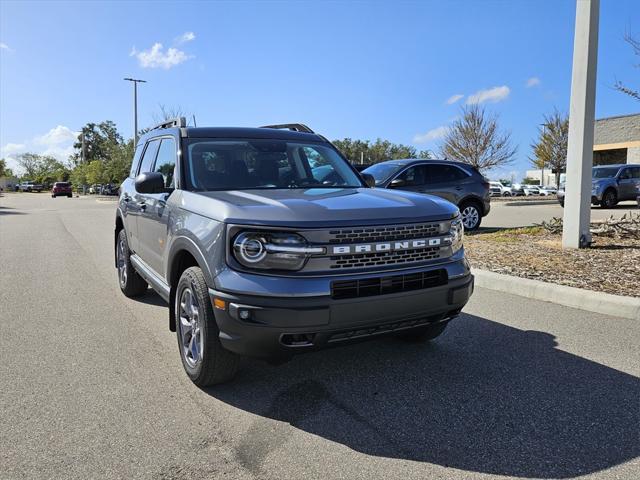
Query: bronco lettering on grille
{"type": "Point", "coordinates": [386, 247]}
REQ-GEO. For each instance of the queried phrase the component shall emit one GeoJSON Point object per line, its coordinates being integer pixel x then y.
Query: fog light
{"type": "Point", "coordinates": [244, 314]}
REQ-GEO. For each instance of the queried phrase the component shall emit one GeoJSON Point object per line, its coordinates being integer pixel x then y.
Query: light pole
{"type": "Point", "coordinates": [135, 107]}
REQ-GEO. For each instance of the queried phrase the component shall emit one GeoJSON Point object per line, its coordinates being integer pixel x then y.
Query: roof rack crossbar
{"type": "Point", "coordinates": [179, 122]}
{"type": "Point", "coordinates": [296, 127]}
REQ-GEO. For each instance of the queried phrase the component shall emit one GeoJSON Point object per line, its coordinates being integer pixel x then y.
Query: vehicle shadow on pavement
{"type": "Point", "coordinates": [484, 397]}
{"type": "Point", "coordinates": [10, 211]}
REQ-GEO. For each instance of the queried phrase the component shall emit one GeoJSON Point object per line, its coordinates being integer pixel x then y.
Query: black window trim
{"type": "Point", "coordinates": [146, 145]}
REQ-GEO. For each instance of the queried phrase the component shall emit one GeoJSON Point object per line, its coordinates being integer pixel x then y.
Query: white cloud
{"type": "Point", "coordinates": [157, 57]}
{"type": "Point", "coordinates": [57, 136]}
{"type": "Point", "coordinates": [532, 82]}
{"type": "Point", "coordinates": [454, 98]}
{"type": "Point", "coordinates": [57, 142]}
{"type": "Point", "coordinates": [433, 134]}
{"type": "Point", "coordinates": [4, 46]}
{"type": "Point", "coordinates": [11, 148]}
{"type": "Point", "coordinates": [495, 94]}
{"type": "Point", "coordinates": [185, 37]}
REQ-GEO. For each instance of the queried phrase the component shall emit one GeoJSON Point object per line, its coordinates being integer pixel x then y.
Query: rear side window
{"type": "Point", "coordinates": [166, 161]}
{"type": "Point", "coordinates": [149, 156]}
{"type": "Point", "coordinates": [444, 174]}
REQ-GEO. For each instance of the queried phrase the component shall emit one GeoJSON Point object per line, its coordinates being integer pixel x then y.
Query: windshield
{"type": "Point", "coordinates": [382, 171]}
{"type": "Point", "coordinates": [242, 164]}
{"type": "Point", "coordinates": [607, 172]}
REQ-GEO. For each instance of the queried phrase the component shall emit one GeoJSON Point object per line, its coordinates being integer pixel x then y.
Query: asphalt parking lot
{"type": "Point", "coordinates": [91, 384]}
{"type": "Point", "coordinates": [520, 213]}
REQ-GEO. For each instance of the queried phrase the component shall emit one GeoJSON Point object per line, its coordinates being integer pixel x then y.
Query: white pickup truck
{"type": "Point", "coordinates": [29, 187]}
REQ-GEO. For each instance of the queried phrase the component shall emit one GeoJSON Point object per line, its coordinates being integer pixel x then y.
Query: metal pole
{"type": "Point", "coordinates": [135, 107]}
{"type": "Point", "coordinates": [577, 211]}
{"type": "Point", "coordinates": [135, 113]}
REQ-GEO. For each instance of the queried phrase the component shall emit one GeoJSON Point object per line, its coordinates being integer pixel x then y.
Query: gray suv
{"type": "Point", "coordinates": [457, 182]}
{"type": "Point", "coordinates": [266, 242]}
{"type": "Point", "coordinates": [611, 184]}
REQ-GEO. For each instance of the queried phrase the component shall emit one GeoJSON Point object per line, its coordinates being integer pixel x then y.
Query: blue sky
{"type": "Point", "coordinates": [348, 69]}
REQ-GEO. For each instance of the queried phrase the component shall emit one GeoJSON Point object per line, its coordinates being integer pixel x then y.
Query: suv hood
{"type": "Point", "coordinates": [317, 207]}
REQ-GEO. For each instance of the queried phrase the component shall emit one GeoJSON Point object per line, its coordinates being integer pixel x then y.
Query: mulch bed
{"type": "Point", "coordinates": [611, 265]}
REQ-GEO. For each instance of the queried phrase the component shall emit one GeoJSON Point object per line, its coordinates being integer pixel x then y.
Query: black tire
{"type": "Point", "coordinates": [70, 195]}
{"type": "Point", "coordinates": [506, 194]}
{"type": "Point", "coordinates": [53, 196]}
{"type": "Point", "coordinates": [465, 211]}
{"type": "Point", "coordinates": [609, 198]}
{"type": "Point", "coordinates": [132, 284]}
{"type": "Point", "coordinates": [561, 202]}
{"type": "Point", "coordinates": [424, 334]}
{"type": "Point", "coordinates": [214, 364]}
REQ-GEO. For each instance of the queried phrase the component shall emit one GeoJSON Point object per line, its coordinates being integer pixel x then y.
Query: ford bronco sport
{"type": "Point", "coordinates": [266, 242]}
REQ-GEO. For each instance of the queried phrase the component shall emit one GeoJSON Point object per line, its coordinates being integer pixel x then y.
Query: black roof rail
{"type": "Point", "coordinates": [296, 127]}
{"type": "Point", "coordinates": [174, 122]}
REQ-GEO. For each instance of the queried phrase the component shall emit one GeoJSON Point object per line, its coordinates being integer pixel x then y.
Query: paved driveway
{"type": "Point", "coordinates": [91, 384]}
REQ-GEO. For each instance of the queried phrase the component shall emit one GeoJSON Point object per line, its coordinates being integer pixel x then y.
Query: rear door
{"type": "Point", "coordinates": [154, 218]}
{"type": "Point", "coordinates": [627, 182]}
{"type": "Point", "coordinates": [446, 181]}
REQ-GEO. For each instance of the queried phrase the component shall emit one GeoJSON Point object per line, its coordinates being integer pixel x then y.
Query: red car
{"type": "Point", "coordinates": [61, 188]}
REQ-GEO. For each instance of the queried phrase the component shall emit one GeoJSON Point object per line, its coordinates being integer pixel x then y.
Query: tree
{"type": "Point", "coordinates": [550, 150]}
{"type": "Point", "coordinates": [4, 170]}
{"type": "Point", "coordinates": [378, 151]}
{"type": "Point", "coordinates": [426, 154]}
{"type": "Point", "coordinates": [30, 163]}
{"type": "Point", "coordinates": [98, 138]}
{"type": "Point", "coordinates": [475, 139]}
{"type": "Point", "coordinates": [621, 87]}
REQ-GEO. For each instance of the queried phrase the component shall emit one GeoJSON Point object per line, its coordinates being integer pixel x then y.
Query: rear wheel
{"type": "Point", "coordinates": [609, 199]}
{"type": "Point", "coordinates": [471, 215]}
{"type": "Point", "coordinates": [424, 334]}
{"type": "Point", "coordinates": [130, 281]}
{"type": "Point", "coordinates": [203, 357]}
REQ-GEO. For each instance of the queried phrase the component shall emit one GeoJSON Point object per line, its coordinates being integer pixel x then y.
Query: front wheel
{"type": "Point", "coordinates": [609, 199]}
{"type": "Point", "coordinates": [130, 281]}
{"type": "Point", "coordinates": [471, 216]}
{"type": "Point", "coordinates": [203, 357]}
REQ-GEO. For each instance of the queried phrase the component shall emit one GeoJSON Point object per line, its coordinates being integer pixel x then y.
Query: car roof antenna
{"type": "Point", "coordinates": [194, 120]}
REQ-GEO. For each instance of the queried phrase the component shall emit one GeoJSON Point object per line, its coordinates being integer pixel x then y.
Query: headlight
{"type": "Point", "coordinates": [457, 234]}
{"type": "Point", "coordinates": [272, 250]}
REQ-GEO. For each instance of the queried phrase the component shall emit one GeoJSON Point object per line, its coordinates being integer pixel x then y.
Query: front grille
{"type": "Point", "coordinates": [384, 258]}
{"type": "Point", "coordinates": [367, 287]}
{"type": "Point", "coordinates": [384, 234]}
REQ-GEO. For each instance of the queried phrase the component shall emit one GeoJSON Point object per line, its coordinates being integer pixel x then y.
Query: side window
{"type": "Point", "coordinates": [454, 174]}
{"type": "Point", "coordinates": [435, 173]}
{"type": "Point", "coordinates": [413, 176]}
{"type": "Point", "coordinates": [149, 156]}
{"type": "Point", "coordinates": [166, 160]}
{"type": "Point", "coordinates": [635, 173]}
{"type": "Point", "coordinates": [136, 161]}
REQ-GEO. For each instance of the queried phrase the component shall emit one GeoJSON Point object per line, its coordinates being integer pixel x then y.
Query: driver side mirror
{"type": "Point", "coordinates": [397, 183]}
{"type": "Point", "coordinates": [369, 180]}
{"type": "Point", "coordinates": [150, 182]}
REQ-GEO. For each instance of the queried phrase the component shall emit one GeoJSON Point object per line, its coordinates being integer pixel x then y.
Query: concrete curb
{"type": "Point", "coordinates": [598, 302]}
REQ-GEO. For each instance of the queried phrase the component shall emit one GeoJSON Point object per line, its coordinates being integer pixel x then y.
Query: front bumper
{"type": "Point", "coordinates": [281, 326]}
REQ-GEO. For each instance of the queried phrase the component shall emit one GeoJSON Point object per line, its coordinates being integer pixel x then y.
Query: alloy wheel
{"type": "Point", "coordinates": [122, 263]}
{"type": "Point", "coordinates": [470, 217]}
{"type": "Point", "coordinates": [190, 328]}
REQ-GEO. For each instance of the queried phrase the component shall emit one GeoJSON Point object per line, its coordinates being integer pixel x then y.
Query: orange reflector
{"type": "Point", "coordinates": [219, 303]}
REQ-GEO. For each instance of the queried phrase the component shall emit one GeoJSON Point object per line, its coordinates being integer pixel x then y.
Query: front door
{"type": "Point", "coordinates": [628, 183]}
{"type": "Point", "coordinates": [153, 221]}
